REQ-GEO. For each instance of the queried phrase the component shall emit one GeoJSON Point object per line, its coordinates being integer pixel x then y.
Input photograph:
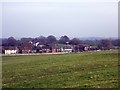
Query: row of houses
{"type": "Point", "coordinates": [38, 48]}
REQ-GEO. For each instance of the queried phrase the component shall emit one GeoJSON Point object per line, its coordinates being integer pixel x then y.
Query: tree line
{"type": "Point", "coordinates": [51, 40]}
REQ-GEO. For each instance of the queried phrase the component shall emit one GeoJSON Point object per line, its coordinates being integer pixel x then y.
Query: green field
{"type": "Point", "coordinates": [83, 70]}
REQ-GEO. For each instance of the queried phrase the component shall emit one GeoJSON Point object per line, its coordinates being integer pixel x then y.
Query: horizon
{"type": "Point", "coordinates": [81, 38]}
{"type": "Point", "coordinates": [97, 37]}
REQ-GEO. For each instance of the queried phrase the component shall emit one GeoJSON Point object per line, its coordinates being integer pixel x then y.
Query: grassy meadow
{"type": "Point", "coordinates": [83, 70]}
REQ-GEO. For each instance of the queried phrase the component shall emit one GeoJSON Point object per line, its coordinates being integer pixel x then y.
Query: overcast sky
{"type": "Point", "coordinates": [72, 18]}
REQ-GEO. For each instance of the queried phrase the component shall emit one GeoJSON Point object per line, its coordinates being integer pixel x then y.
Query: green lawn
{"type": "Point", "coordinates": [84, 70]}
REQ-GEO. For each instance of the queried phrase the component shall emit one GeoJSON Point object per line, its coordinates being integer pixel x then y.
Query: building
{"type": "Point", "coordinates": [67, 49]}
{"type": "Point", "coordinates": [26, 50]}
{"type": "Point", "coordinates": [10, 51]}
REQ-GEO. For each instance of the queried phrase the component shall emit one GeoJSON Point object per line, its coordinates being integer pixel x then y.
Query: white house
{"type": "Point", "coordinates": [68, 50]}
{"type": "Point", "coordinates": [10, 51]}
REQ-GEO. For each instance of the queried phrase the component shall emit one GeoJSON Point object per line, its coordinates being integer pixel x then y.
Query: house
{"type": "Point", "coordinates": [67, 49]}
{"type": "Point", "coordinates": [26, 50]}
{"type": "Point", "coordinates": [46, 49]}
{"type": "Point", "coordinates": [10, 50]}
{"type": "Point", "coordinates": [56, 48]}
{"type": "Point", "coordinates": [41, 48]}
{"type": "Point", "coordinates": [83, 48]}
{"type": "Point", "coordinates": [86, 48]}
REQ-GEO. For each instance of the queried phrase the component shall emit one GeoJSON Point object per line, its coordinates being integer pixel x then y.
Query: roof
{"type": "Point", "coordinates": [68, 47]}
{"type": "Point", "coordinates": [10, 48]}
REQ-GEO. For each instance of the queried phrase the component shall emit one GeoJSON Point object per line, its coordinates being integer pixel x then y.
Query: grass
{"type": "Point", "coordinates": [84, 70]}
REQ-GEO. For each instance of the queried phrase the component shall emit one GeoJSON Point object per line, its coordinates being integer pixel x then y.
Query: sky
{"type": "Point", "coordinates": [73, 18]}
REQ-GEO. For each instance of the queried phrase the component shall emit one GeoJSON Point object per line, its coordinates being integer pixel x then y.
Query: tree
{"type": "Point", "coordinates": [51, 39]}
{"type": "Point", "coordinates": [105, 44]}
{"type": "Point", "coordinates": [64, 39]}
{"type": "Point", "coordinates": [116, 42]}
{"type": "Point", "coordinates": [89, 42]}
{"type": "Point", "coordinates": [12, 41]}
{"type": "Point", "coordinates": [4, 42]}
{"type": "Point", "coordinates": [41, 40]}
{"type": "Point", "coordinates": [24, 40]}
{"type": "Point", "coordinates": [75, 41]}
{"type": "Point", "coordinates": [25, 43]}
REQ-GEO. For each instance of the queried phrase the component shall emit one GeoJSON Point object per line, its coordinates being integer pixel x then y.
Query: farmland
{"type": "Point", "coordinates": [82, 70]}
